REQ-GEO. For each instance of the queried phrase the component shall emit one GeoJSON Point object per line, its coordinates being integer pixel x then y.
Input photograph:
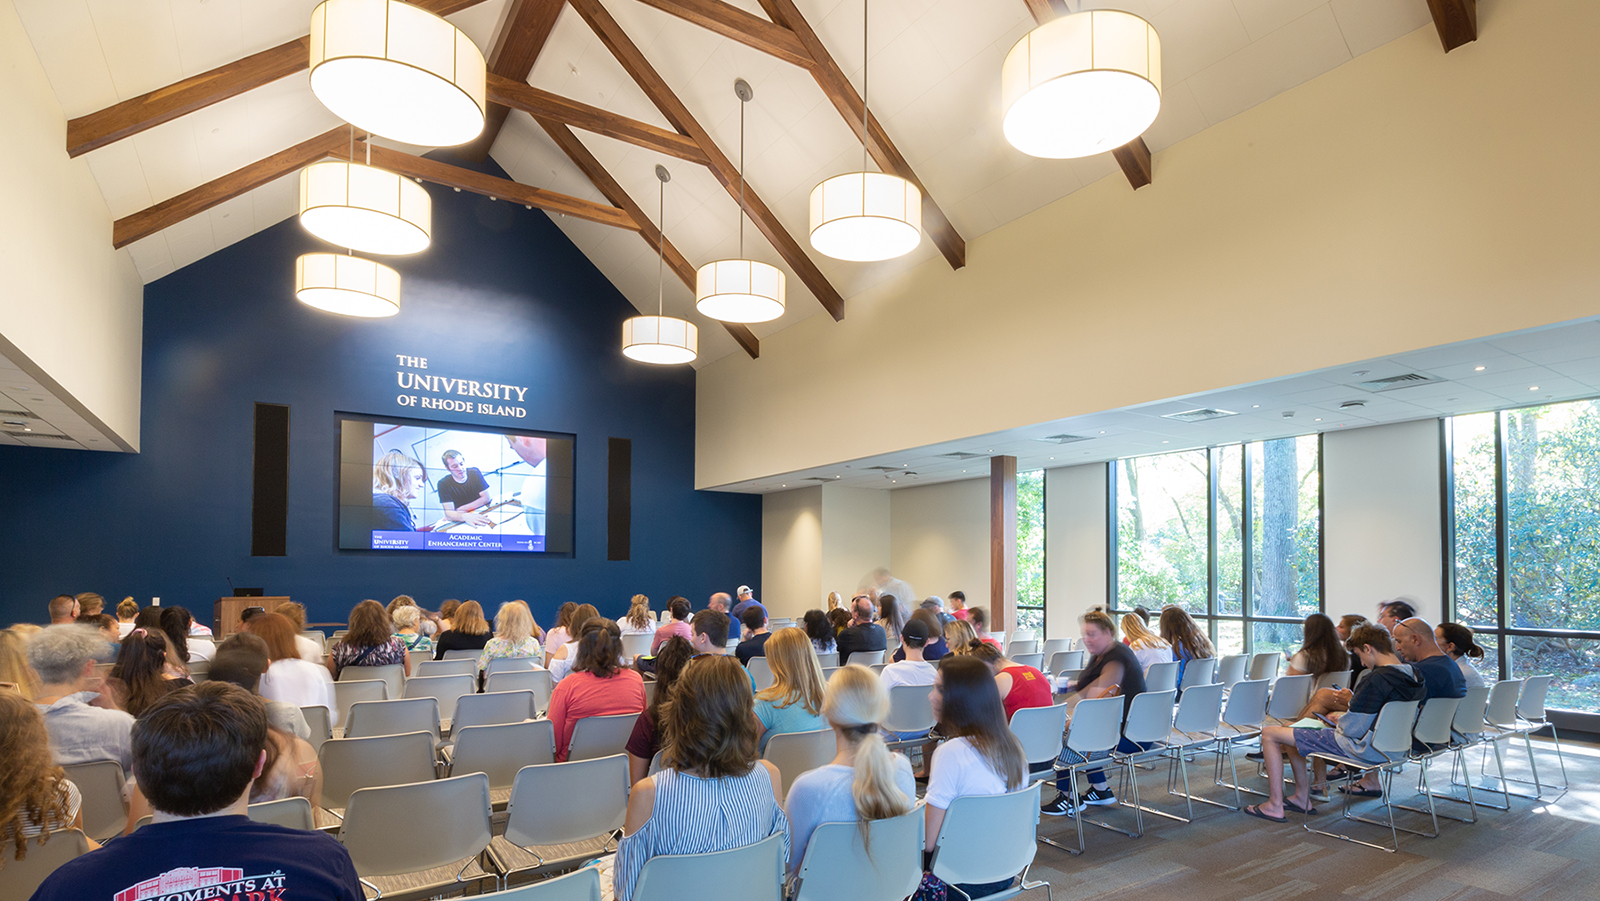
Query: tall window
{"type": "Point", "coordinates": [1030, 550]}
{"type": "Point", "coordinates": [1231, 534]}
{"type": "Point", "coordinates": [1525, 530]}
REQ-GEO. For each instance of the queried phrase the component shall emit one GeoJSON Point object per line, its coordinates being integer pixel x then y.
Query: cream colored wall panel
{"type": "Point", "coordinates": [1382, 525]}
{"type": "Point", "coordinates": [791, 551]}
{"type": "Point", "coordinates": [1286, 232]}
{"type": "Point", "coordinates": [939, 538]}
{"type": "Point", "coordinates": [855, 538]}
{"type": "Point", "coordinates": [64, 39]}
{"type": "Point", "coordinates": [1075, 574]}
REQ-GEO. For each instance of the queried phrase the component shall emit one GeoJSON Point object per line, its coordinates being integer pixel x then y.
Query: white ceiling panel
{"type": "Point", "coordinates": [1295, 53]}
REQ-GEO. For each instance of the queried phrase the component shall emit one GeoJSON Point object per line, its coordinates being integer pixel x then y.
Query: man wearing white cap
{"type": "Point", "coordinates": [747, 599]}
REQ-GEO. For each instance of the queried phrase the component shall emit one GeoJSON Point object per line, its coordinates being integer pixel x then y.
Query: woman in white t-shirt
{"type": "Point", "coordinates": [289, 677]}
{"type": "Point", "coordinates": [1456, 641]}
{"type": "Point", "coordinates": [1146, 645]}
{"type": "Point", "coordinates": [981, 756]}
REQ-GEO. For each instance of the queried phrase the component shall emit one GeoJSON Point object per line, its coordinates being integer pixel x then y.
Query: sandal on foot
{"type": "Point", "coordinates": [1289, 804]}
{"type": "Point", "coordinates": [1256, 811]}
{"type": "Point", "coordinates": [1356, 791]}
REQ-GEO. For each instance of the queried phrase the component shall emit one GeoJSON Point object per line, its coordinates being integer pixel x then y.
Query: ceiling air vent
{"type": "Point", "coordinates": [37, 435]}
{"type": "Point", "coordinates": [1200, 415]}
{"type": "Point", "coordinates": [961, 455]}
{"type": "Point", "coordinates": [1394, 382]}
{"type": "Point", "coordinates": [883, 469]}
{"type": "Point", "coordinates": [10, 414]}
{"type": "Point", "coordinates": [1063, 439]}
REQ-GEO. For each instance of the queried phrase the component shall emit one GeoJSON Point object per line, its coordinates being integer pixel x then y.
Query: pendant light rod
{"type": "Point", "coordinates": [661, 237]}
{"type": "Point", "coordinates": [741, 89]}
{"type": "Point", "coordinates": [866, 114]}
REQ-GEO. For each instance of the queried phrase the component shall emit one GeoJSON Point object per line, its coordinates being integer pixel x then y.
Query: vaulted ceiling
{"type": "Point", "coordinates": [623, 85]}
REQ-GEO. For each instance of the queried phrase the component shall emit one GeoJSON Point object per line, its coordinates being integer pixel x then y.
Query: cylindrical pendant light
{"type": "Point", "coordinates": [660, 338]}
{"type": "Point", "coordinates": [740, 290]}
{"type": "Point", "coordinates": [399, 71]}
{"type": "Point", "coordinates": [347, 285]}
{"type": "Point", "coordinates": [365, 208]}
{"type": "Point", "coordinates": [1082, 84]}
{"type": "Point", "coordinates": [865, 216]}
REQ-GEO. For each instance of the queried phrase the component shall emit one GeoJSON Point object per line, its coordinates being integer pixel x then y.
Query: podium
{"type": "Point", "coordinates": [225, 619]}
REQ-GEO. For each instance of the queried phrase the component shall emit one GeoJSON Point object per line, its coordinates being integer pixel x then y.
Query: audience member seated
{"type": "Point", "coordinates": [863, 634]}
{"type": "Point", "coordinates": [196, 753]}
{"type": "Point", "coordinates": [678, 611]}
{"type": "Point", "coordinates": [447, 613]}
{"type": "Point", "coordinates": [468, 631]}
{"type": "Point", "coordinates": [639, 620]}
{"type": "Point", "coordinates": [15, 673]}
{"type": "Point", "coordinates": [1148, 647]}
{"type": "Point", "coordinates": [645, 741]}
{"type": "Point", "coordinates": [793, 702]}
{"type": "Point", "coordinates": [308, 650]}
{"type": "Point", "coordinates": [1020, 685]}
{"type": "Point", "coordinates": [935, 605]}
{"type": "Point", "coordinates": [599, 684]}
{"type": "Point", "coordinates": [63, 658]}
{"type": "Point", "coordinates": [721, 602]}
{"type": "Point", "coordinates": [1112, 669]}
{"type": "Point", "coordinates": [936, 648]}
{"type": "Point", "coordinates": [141, 675]}
{"type": "Point", "coordinates": [126, 612]}
{"type": "Point", "coordinates": [291, 679]}
{"type": "Point", "coordinates": [892, 614]}
{"type": "Point", "coordinates": [1392, 613]}
{"type": "Point", "coordinates": [176, 622]}
{"type": "Point", "coordinates": [980, 755]}
{"type": "Point", "coordinates": [959, 636]}
{"type": "Point", "coordinates": [820, 631]}
{"type": "Point", "coordinates": [911, 669]}
{"type": "Point", "coordinates": [1414, 644]}
{"type": "Point", "coordinates": [755, 622]}
{"type": "Point", "coordinates": [407, 620]}
{"type": "Point", "coordinates": [107, 627]}
{"type": "Point", "coordinates": [64, 610]}
{"type": "Point", "coordinates": [370, 641]}
{"type": "Point", "coordinates": [36, 797]}
{"type": "Point", "coordinates": [1334, 700]}
{"type": "Point", "coordinates": [1321, 652]}
{"type": "Point", "coordinates": [1456, 640]}
{"type": "Point", "coordinates": [958, 604]}
{"type": "Point", "coordinates": [839, 619]}
{"type": "Point", "coordinates": [864, 781]}
{"type": "Point", "coordinates": [1389, 680]}
{"type": "Point", "coordinates": [978, 618]}
{"type": "Point", "coordinates": [1188, 640]}
{"type": "Point", "coordinates": [148, 618]}
{"type": "Point", "coordinates": [714, 793]}
{"type": "Point", "coordinates": [834, 602]}
{"type": "Point", "coordinates": [242, 659]}
{"type": "Point", "coordinates": [560, 663]}
{"type": "Point", "coordinates": [746, 600]}
{"type": "Point", "coordinates": [561, 632]}
{"type": "Point", "coordinates": [90, 603]}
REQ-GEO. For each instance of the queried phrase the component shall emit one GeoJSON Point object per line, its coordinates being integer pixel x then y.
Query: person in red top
{"type": "Point", "coordinates": [1020, 686]}
{"type": "Point", "coordinates": [978, 618]}
{"type": "Point", "coordinates": [598, 685]}
{"type": "Point", "coordinates": [678, 607]}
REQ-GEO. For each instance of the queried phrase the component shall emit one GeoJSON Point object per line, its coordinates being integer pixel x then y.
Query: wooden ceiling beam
{"type": "Point", "coordinates": [195, 201]}
{"type": "Point", "coordinates": [137, 114]}
{"type": "Point", "coordinates": [732, 22]}
{"type": "Point", "coordinates": [521, 37]}
{"type": "Point", "coordinates": [542, 104]}
{"type": "Point", "coordinates": [656, 88]}
{"type": "Point", "coordinates": [1134, 156]}
{"type": "Point", "coordinates": [1457, 21]}
{"type": "Point", "coordinates": [612, 191]}
{"type": "Point", "coordinates": [847, 101]}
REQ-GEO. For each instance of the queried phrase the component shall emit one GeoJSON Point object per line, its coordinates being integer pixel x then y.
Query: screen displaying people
{"type": "Point", "coordinates": [435, 488]}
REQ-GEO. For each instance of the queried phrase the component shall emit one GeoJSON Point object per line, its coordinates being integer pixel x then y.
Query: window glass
{"type": "Point", "coordinates": [1553, 519]}
{"type": "Point", "coordinates": [1572, 663]}
{"type": "Point", "coordinates": [1287, 527]}
{"type": "Point", "coordinates": [1472, 469]}
{"type": "Point", "coordinates": [1229, 638]}
{"type": "Point", "coordinates": [1030, 550]}
{"type": "Point", "coordinates": [1230, 529]}
{"type": "Point", "coordinates": [1162, 544]}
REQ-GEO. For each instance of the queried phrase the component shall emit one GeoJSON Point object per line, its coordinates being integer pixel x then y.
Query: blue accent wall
{"type": "Point", "coordinates": [501, 296]}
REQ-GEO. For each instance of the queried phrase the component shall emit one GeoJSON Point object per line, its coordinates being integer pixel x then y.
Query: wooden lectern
{"type": "Point", "coordinates": [226, 615]}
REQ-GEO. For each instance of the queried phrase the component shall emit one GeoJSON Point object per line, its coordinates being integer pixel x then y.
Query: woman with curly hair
{"type": "Point", "coordinates": [370, 641]}
{"type": "Point", "coordinates": [36, 797]}
{"type": "Point", "coordinates": [141, 675]}
{"type": "Point", "coordinates": [715, 792]}
{"type": "Point", "coordinates": [639, 621]}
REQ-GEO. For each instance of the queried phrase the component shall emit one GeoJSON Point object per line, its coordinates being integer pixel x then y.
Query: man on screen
{"type": "Point", "coordinates": [463, 491]}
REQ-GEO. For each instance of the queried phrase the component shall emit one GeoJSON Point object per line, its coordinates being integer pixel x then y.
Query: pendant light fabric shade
{"type": "Point", "coordinates": [740, 291]}
{"type": "Point", "coordinates": [365, 208]}
{"type": "Point", "coordinates": [1082, 84]}
{"type": "Point", "coordinates": [347, 285]}
{"type": "Point", "coordinates": [399, 71]}
{"type": "Point", "coordinates": [866, 216]}
{"type": "Point", "coordinates": [660, 339]}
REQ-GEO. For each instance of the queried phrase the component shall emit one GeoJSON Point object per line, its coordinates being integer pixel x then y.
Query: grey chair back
{"type": "Point", "coordinates": [1469, 716]}
{"type": "Point", "coordinates": [425, 668]}
{"type": "Point", "coordinates": [393, 676]}
{"type": "Point", "coordinates": [386, 836]}
{"type": "Point", "coordinates": [1502, 707]}
{"type": "Point", "coordinates": [828, 660]}
{"type": "Point", "coordinates": [600, 736]}
{"type": "Point", "coordinates": [1340, 679]}
{"type": "Point", "coordinates": [1150, 716]}
{"type": "Point", "coordinates": [445, 691]}
{"type": "Point", "coordinates": [1022, 646]}
{"type": "Point", "coordinates": [537, 681]}
{"type": "Point", "coordinates": [1034, 660]}
{"type": "Point", "coordinates": [562, 803]}
{"type": "Point", "coordinates": [1161, 676]}
{"type": "Point", "coordinates": [1199, 671]}
{"type": "Point", "coordinates": [1265, 665]}
{"type": "Point", "coordinates": [105, 813]}
{"type": "Point", "coordinates": [370, 718]}
{"type": "Point", "coordinates": [1435, 721]}
{"type": "Point", "coordinates": [910, 709]}
{"type": "Point", "coordinates": [1247, 704]}
{"type": "Point", "coordinates": [582, 884]}
{"type": "Point", "coordinates": [756, 869]}
{"type": "Point", "coordinates": [866, 658]}
{"type": "Point", "coordinates": [1096, 725]}
{"type": "Point", "coordinates": [635, 646]}
{"type": "Point", "coordinates": [838, 864]}
{"type": "Point", "coordinates": [1200, 710]}
{"type": "Point", "coordinates": [1530, 702]}
{"type": "Point", "coordinates": [1289, 697]}
{"type": "Point", "coordinates": [1054, 646]}
{"type": "Point", "coordinates": [513, 665]}
{"type": "Point", "coordinates": [1062, 661]}
{"type": "Point", "coordinates": [761, 671]}
{"type": "Point", "coordinates": [794, 753]}
{"type": "Point", "coordinates": [1039, 730]}
{"type": "Point", "coordinates": [492, 709]}
{"type": "Point", "coordinates": [1231, 670]}
{"type": "Point", "coordinates": [349, 692]}
{"type": "Point", "coordinates": [988, 838]}
{"type": "Point", "coordinates": [462, 654]}
{"type": "Point", "coordinates": [19, 879]}
{"type": "Point", "coordinates": [320, 720]}
{"type": "Point", "coordinates": [349, 764]}
{"type": "Point", "coordinates": [292, 813]}
{"type": "Point", "coordinates": [501, 751]}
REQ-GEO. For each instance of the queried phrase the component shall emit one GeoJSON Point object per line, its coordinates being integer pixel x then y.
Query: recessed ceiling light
{"type": "Point", "coordinates": [1166, 442]}
{"type": "Point", "coordinates": [1318, 419]}
{"type": "Point", "coordinates": [1255, 406]}
{"type": "Point", "coordinates": [1477, 369]}
{"type": "Point", "coordinates": [1534, 388]}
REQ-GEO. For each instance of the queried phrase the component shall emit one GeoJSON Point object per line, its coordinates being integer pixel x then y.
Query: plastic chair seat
{"type": "Point", "coordinates": [756, 869]}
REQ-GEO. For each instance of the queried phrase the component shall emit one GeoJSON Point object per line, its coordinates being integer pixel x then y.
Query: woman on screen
{"type": "Point", "coordinates": [396, 481]}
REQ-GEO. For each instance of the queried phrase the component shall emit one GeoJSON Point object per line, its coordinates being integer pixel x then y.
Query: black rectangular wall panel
{"type": "Point", "coordinates": [269, 498]}
{"type": "Point", "coordinates": [619, 498]}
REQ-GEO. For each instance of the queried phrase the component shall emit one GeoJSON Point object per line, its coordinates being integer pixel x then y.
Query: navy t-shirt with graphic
{"type": "Point", "coordinates": [228, 858]}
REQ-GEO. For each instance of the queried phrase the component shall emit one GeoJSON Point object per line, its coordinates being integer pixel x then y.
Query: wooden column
{"type": "Point", "coordinates": [1002, 543]}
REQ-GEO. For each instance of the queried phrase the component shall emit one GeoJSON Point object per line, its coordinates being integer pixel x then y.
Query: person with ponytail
{"type": "Point", "coordinates": [141, 676]}
{"type": "Point", "coordinates": [1456, 641]}
{"type": "Point", "coordinates": [864, 781]}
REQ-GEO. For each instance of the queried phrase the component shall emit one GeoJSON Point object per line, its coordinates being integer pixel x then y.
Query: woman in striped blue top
{"type": "Point", "coordinates": [714, 792]}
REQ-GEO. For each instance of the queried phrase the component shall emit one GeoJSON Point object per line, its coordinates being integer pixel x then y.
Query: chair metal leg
{"type": "Point", "coordinates": [1026, 886]}
{"type": "Point", "coordinates": [1385, 780]}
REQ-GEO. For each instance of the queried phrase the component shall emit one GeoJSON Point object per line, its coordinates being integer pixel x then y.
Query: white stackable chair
{"type": "Point", "coordinates": [350, 764]}
{"type": "Point", "coordinates": [431, 833]}
{"type": "Point", "coordinates": [1329, 680]}
{"type": "Point", "coordinates": [501, 751]}
{"type": "Point", "coordinates": [1039, 730]}
{"type": "Point", "coordinates": [492, 709]}
{"type": "Point", "coordinates": [1501, 723]}
{"type": "Point", "coordinates": [462, 654]}
{"type": "Point", "coordinates": [910, 710]}
{"type": "Point", "coordinates": [513, 665]}
{"type": "Point", "coordinates": [1199, 671]}
{"type": "Point", "coordinates": [1194, 728]}
{"type": "Point", "coordinates": [1062, 661]}
{"type": "Point", "coordinates": [837, 864]}
{"type": "Point", "coordinates": [600, 736]}
{"type": "Point", "coordinates": [636, 646]}
{"type": "Point", "coordinates": [794, 753]}
{"type": "Point", "coordinates": [1530, 709]}
{"type": "Point", "coordinates": [1290, 694]}
{"type": "Point", "coordinates": [104, 809]}
{"type": "Point", "coordinates": [867, 658]}
{"type": "Point", "coordinates": [393, 677]}
{"type": "Point", "coordinates": [1391, 736]}
{"type": "Point", "coordinates": [1150, 724]}
{"type": "Point", "coordinates": [425, 668]}
{"type": "Point", "coordinates": [1022, 646]}
{"type": "Point", "coordinates": [1035, 660]}
{"type": "Point", "coordinates": [557, 806]}
{"type": "Point", "coordinates": [1432, 731]}
{"type": "Point", "coordinates": [1265, 666]}
{"type": "Point", "coordinates": [1053, 646]}
{"type": "Point", "coordinates": [291, 813]}
{"type": "Point", "coordinates": [369, 718]}
{"type": "Point", "coordinates": [761, 671]}
{"type": "Point", "coordinates": [582, 884]}
{"type": "Point", "coordinates": [828, 660]}
{"type": "Point", "coordinates": [757, 871]}
{"type": "Point", "coordinates": [320, 720]}
{"type": "Point", "coordinates": [1162, 676]}
{"type": "Point", "coordinates": [537, 681]}
{"type": "Point", "coordinates": [444, 690]}
{"type": "Point", "coordinates": [988, 838]}
{"type": "Point", "coordinates": [1096, 728]}
{"type": "Point", "coordinates": [1468, 733]}
{"type": "Point", "coordinates": [19, 879]}
{"type": "Point", "coordinates": [1231, 669]}
{"type": "Point", "coordinates": [347, 693]}
{"type": "Point", "coordinates": [1242, 719]}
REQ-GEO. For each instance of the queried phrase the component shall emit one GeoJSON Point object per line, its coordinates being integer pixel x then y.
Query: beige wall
{"type": "Point", "coordinates": [791, 551]}
{"type": "Point", "coordinates": [939, 538]}
{"type": "Point", "coordinates": [855, 538]}
{"type": "Point", "coordinates": [1382, 527]}
{"type": "Point", "coordinates": [1074, 545]}
{"type": "Point", "coordinates": [1406, 199]}
{"type": "Point", "coordinates": [71, 310]}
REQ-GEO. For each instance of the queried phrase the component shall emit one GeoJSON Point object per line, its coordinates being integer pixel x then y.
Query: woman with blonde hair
{"type": "Point", "coordinates": [397, 480]}
{"type": "Point", "coordinates": [864, 781]}
{"type": "Point", "coordinates": [516, 635]}
{"type": "Point", "coordinates": [560, 663]}
{"type": "Point", "coordinates": [959, 636]}
{"type": "Point", "coordinates": [14, 668]}
{"type": "Point", "coordinates": [793, 702]}
{"type": "Point", "coordinates": [834, 601]}
{"type": "Point", "coordinates": [1146, 645]}
{"type": "Point", "coordinates": [468, 631]}
{"type": "Point", "coordinates": [639, 621]}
